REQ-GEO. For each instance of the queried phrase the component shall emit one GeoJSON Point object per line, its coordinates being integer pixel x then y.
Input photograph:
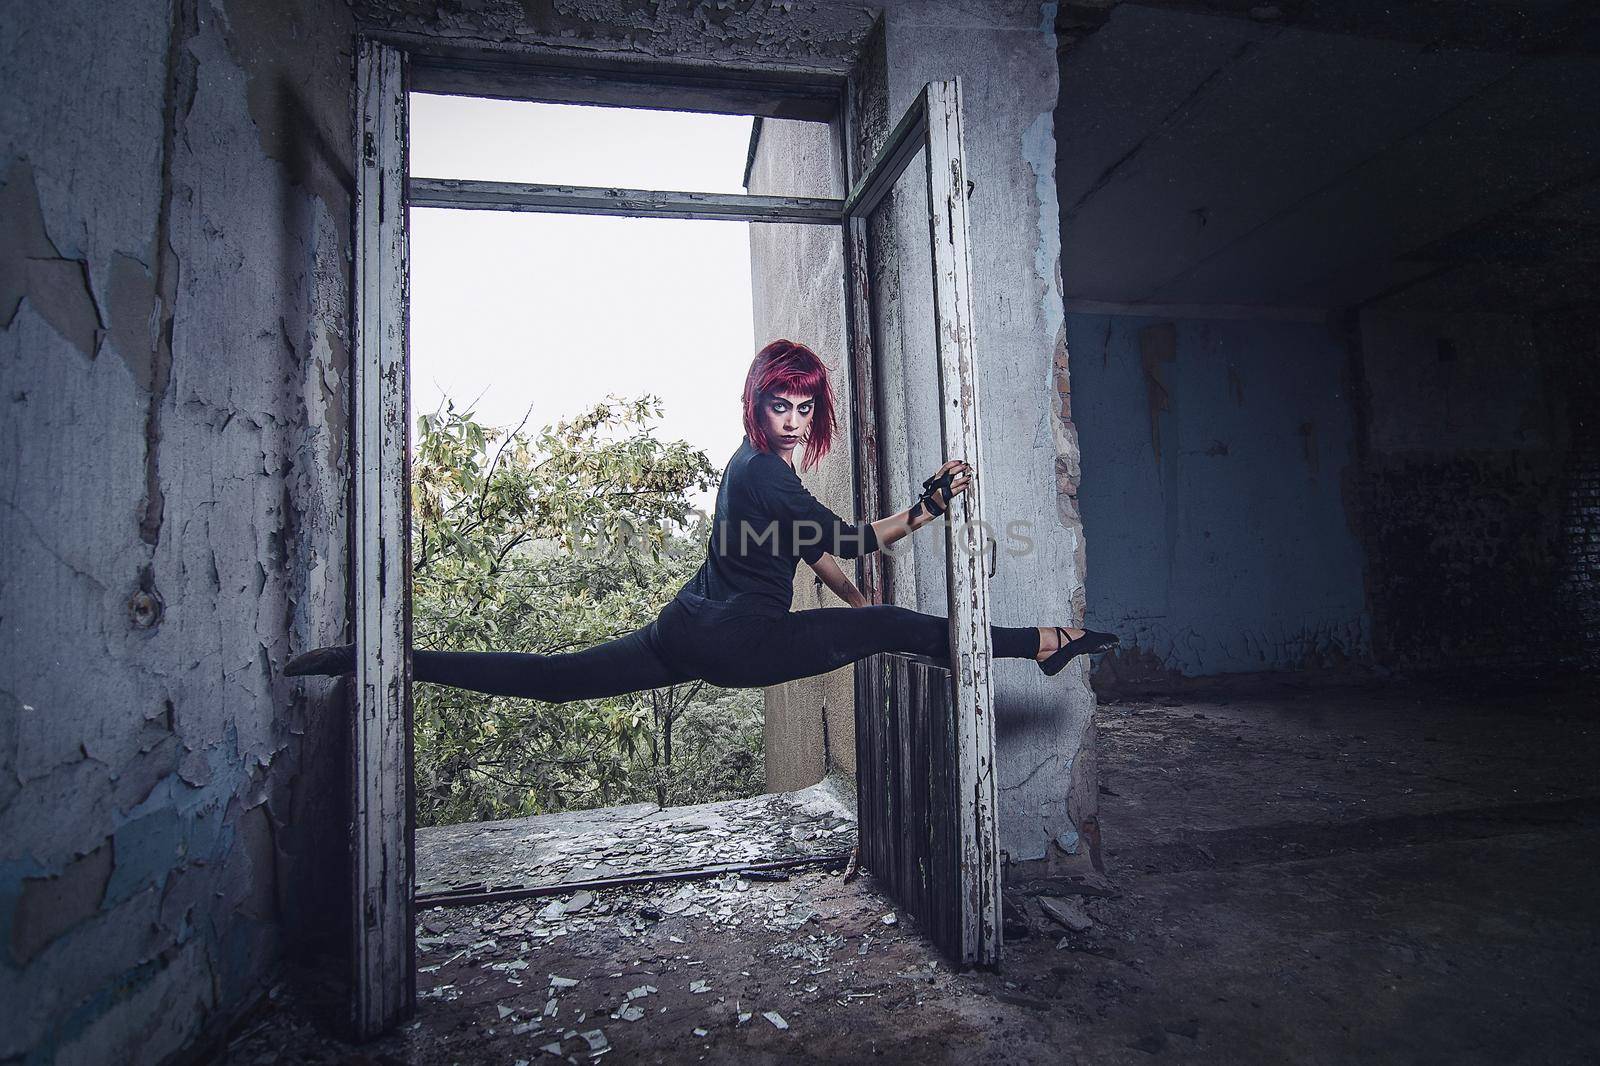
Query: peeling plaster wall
{"type": "Point", "coordinates": [1005, 55]}
{"type": "Point", "coordinates": [174, 290]}
{"type": "Point", "coordinates": [797, 282]}
{"type": "Point", "coordinates": [1215, 456]}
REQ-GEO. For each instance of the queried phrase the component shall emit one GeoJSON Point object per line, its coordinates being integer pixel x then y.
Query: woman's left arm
{"type": "Point", "coordinates": [835, 579]}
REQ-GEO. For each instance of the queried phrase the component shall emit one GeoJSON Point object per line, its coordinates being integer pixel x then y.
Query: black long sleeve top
{"type": "Point", "coordinates": [765, 521]}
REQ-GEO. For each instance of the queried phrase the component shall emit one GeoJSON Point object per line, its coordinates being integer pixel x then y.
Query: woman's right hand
{"type": "Point", "coordinates": [960, 477]}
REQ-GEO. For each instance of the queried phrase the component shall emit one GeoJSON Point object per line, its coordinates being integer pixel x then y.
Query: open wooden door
{"type": "Point", "coordinates": [925, 730]}
{"type": "Point", "coordinates": [384, 978]}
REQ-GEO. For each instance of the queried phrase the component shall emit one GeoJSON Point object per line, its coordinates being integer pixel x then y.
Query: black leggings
{"type": "Point", "coordinates": [726, 643]}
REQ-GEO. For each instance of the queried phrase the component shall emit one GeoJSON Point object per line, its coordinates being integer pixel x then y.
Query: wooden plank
{"type": "Point", "coordinates": [468, 195]}
{"type": "Point", "coordinates": [908, 135]}
{"type": "Point", "coordinates": [922, 771]}
{"type": "Point", "coordinates": [472, 897]}
{"type": "Point", "coordinates": [967, 585]}
{"type": "Point", "coordinates": [384, 981]}
{"type": "Point", "coordinates": [911, 793]}
{"type": "Point", "coordinates": [867, 694]}
{"type": "Point", "coordinates": [870, 505]}
{"type": "Point", "coordinates": [944, 897]}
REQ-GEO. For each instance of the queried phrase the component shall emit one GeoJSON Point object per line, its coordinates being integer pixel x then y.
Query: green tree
{"type": "Point", "coordinates": [550, 542]}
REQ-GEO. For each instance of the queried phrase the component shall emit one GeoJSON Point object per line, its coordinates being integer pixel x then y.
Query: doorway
{"type": "Point", "coordinates": [385, 799]}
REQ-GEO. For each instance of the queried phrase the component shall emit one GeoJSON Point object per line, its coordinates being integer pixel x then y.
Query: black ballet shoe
{"type": "Point", "coordinates": [1090, 643]}
{"type": "Point", "coordinates": [333, 661]}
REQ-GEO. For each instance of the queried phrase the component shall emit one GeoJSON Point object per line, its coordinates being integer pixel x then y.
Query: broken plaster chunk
{"type": "Point", "coordinates": [629, 1013]}
{"type": "Point", "coordinates": [596, 1039]}
{"type": "Point", "coordinates": [890, 919]}
{"type": "Point", "coordinates": [641, 991]}
{"type": "Point", "coordinates": [775, 1018]}
{"type": "Point", "coordinates": [697, 987]}
{"type": "Point", "coordinates": [701, 1032]}
{"type": "Point", "coordinates": [1066, 912]}
{"type": "Point", "coordinates": [562, 982]}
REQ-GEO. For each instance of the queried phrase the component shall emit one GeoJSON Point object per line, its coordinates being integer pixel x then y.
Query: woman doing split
{"type": "Point", "coordinates": [731, 624]}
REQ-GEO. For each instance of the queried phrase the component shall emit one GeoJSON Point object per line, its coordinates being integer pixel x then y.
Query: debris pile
{"type": "Point", "coordinates": [551, 850]}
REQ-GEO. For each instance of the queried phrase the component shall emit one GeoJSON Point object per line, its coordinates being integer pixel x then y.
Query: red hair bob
{"type": "Point", "coordinates": [784, 366]}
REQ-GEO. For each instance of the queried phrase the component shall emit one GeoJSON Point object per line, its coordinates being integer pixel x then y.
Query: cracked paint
{"type": "Point", "coordinates": [32, 268]}
{"type": "Point", "coordinates": [49, 906]}
{"type": "Point", "coordinates": [181, 507]}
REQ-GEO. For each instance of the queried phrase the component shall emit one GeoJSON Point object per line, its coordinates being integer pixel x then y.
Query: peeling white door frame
{"type": "Point", "coordinates": [384, 962]}
{"type": "Point", "coordinates": [384, 981]}
{"type": "Point", "coordinates": [933, 123]}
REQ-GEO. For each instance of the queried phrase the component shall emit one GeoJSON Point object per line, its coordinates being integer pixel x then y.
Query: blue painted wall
{"type": "Point", "coordinates": [1213, 454]}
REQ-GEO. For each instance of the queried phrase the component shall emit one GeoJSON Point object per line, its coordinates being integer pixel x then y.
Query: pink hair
{"type": "Point", "coordinates": [784, 366]}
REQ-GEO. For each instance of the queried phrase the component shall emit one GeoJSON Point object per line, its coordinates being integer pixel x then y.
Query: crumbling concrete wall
{"type": "Point", "coordinates": [797, 287]}
{"type": "Point", "coordinates": [174, 291]}
{"type": "Point", "coordinates": [1476, 490]}
{"type": "Point", "coordinates": [818, 35]}
{"type": "Point", "coordinates": [1215, 459]}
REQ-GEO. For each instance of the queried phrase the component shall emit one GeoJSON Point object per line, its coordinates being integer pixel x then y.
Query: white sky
{"type": "Point", "coordinates": [556, 311]}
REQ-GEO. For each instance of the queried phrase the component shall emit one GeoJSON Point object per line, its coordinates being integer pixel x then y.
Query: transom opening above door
{"type": "Point", "coordinates": [521, 141]}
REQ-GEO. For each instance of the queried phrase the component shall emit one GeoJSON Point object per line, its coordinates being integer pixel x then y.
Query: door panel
{"type": "Point", "coordinates": [925, 731]}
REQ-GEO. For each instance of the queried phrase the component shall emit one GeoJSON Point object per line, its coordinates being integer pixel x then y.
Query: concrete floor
{"type": "Point", "coordinates": [1376, 874]}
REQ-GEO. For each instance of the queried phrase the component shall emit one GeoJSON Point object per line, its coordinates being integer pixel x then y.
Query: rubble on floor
{"type": "Point", "coordinates": [1381, 877]}
{"type": "Point", "coordinates": [649, 972]}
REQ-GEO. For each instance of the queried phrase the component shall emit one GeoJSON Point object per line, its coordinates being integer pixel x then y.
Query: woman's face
{"type": "Point", "coordinates": [787, 419]}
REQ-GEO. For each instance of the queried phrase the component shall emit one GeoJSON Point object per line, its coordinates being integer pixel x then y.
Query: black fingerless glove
{"type": "Point", "coordinates": [936, 495]}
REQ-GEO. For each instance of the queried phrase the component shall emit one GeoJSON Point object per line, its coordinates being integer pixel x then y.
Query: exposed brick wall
{"type": "Point", "coordinates": [1476, 493]}
{"type": "Point", "coordinates": [1579, 591]}
{"type": "Point", "coordinates": [1464, 558]}
{"type": "Point", "coordinates": [1580, 586]}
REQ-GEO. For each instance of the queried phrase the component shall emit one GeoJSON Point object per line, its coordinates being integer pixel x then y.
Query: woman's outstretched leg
{"type": "Point", "coordinates": [631, 663]}
{"type": "Point", "coordinates": [813, 642]}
